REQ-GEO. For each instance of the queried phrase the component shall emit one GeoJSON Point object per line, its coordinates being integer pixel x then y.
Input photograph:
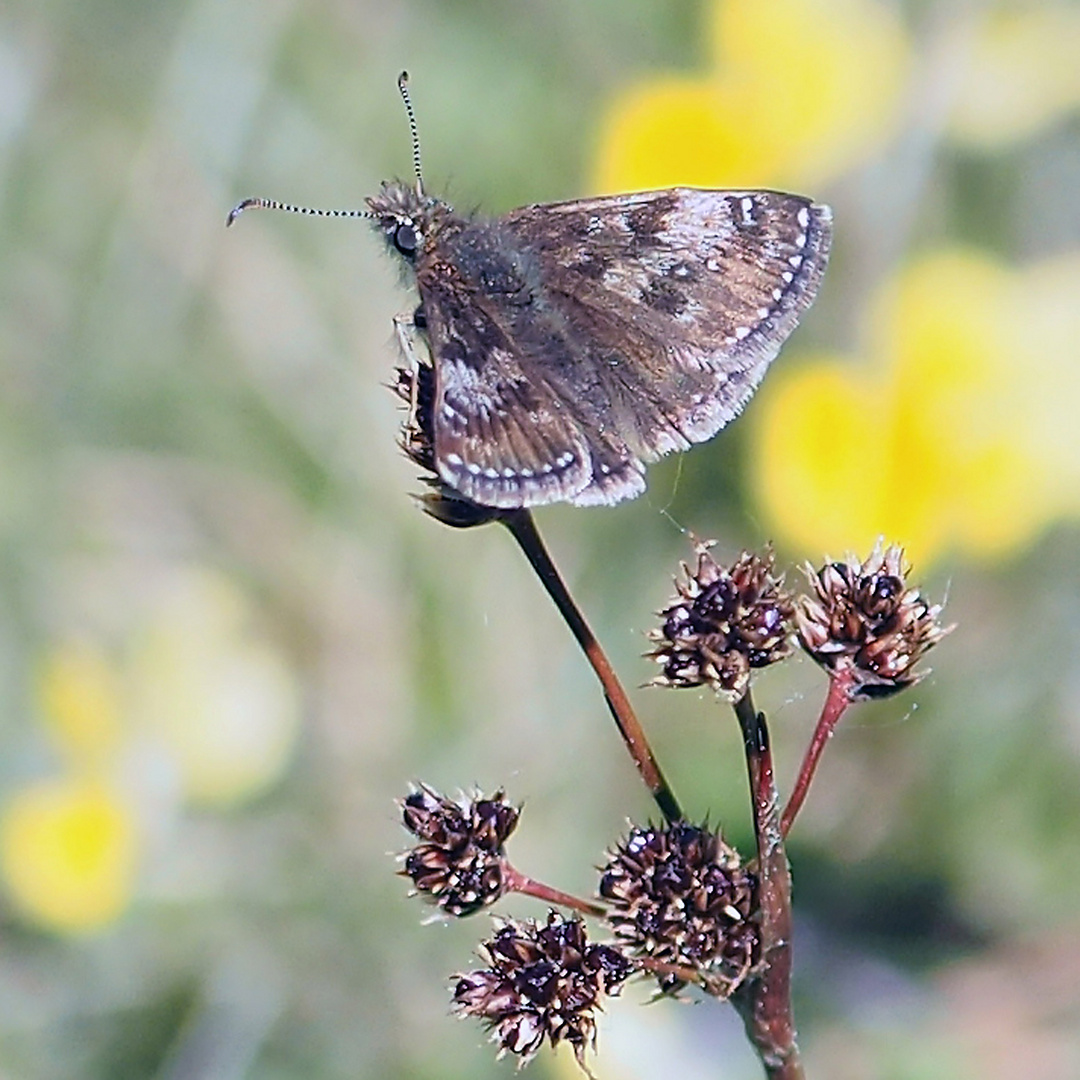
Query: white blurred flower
{"type": "Point", "coordinates": [224, 702]}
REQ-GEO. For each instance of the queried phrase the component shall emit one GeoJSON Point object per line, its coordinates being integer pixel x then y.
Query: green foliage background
{"type": "Point", "coordinates": [175, 392]}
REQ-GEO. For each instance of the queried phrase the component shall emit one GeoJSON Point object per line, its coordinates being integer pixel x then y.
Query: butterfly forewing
{"type": "Point", "coordinates": [574, 341]}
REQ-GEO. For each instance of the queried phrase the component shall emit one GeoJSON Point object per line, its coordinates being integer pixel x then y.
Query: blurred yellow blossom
{"type": "Point", "coordinates": [800, 91]}
{"type": "Point", "coordinates": [81, 702]}
{"type": "Point", "coordinates": [1048, 294]}
{"type": "Point", "coordinates": [68, 848]}
{"type": "Point", "coordinates": [226, 704]}
{"type": "Point", "coordinates": [197, 687]}
{"type": "Point", "coordinates": [1020, 75]}
{"type": "Point", "coordinates": [943, 442]}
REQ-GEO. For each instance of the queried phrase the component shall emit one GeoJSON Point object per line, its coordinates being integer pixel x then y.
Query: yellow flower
{"type": "Point", "coordinates": [1046, 390]}
{"type": "Point", "coordinates": [954, 438]}
{"type": "Point", "coordinates": [820, 456]}
{"type": "Point", "coordinates": [80, 699]}
{"type": "Point", "coordinates": [226, 704]}
{"type": "Point", "coordinates": [1020, 76]}
{"type": "Point", "coordinates": [68, 849]}
{"type": "Point", "coordinates": [801, 91]}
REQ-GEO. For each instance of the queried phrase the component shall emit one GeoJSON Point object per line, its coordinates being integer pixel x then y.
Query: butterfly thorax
{"type": "Point", "coordinates": [448, 250]}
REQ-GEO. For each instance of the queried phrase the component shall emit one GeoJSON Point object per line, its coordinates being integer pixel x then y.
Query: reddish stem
{"type": "Point", "coordinates": [836, 703]}
{"type": "Point", "coordinates": [521, 525]}
{"type": "Point", "coordinates": [522, 883]}
{"type": "Point", "coordinates": [662, 967]}
{"type": "Point", "coordinates": [764, 999]}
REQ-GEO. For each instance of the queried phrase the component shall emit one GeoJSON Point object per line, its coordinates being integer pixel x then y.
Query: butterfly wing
{"type": "Point", "coordinates": [501, 438]}
{"type": "Point", "coordinates": [692, 293]}
{"type": "Point", "coordinates": [589, 337]}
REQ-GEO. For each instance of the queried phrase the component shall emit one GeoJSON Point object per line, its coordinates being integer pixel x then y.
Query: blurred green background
{"type": "Point", "coordinates": [228, 639]}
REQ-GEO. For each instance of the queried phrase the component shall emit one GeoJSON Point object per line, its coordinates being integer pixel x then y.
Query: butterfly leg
{"type": "Point", "coordinates": [416, 387]}
{"type": "Point", "coordinates": [405, 327]}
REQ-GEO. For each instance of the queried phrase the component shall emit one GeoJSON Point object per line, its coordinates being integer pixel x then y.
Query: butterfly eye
{"type": "Point", "coordinates": [405, 240]}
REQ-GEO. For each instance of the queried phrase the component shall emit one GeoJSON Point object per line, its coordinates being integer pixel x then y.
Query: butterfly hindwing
{"type": "Point", "coordinates": [500, 438]}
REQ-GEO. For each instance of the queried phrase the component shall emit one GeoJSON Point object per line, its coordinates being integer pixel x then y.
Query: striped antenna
{"type": "Point", "coordinates": [273, 204]}
{"type": "Point", "coordinates": [414, 131]}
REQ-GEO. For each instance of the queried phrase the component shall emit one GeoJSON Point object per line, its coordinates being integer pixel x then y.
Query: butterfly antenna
{"type": "Point", "coordinates": [414, 131]}
{"type": "Point", "coordinates": [273, 204]}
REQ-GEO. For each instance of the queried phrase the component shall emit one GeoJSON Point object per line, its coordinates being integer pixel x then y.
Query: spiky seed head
{"type": "Point", "coordinates": [722, 623]}
{"type": "Point", "coordinates": [544, 980]}
{"type": "Point", "coordinates": [682, 896]}
{"type": "Point", "coordinates": [459, 864]}
{"type": "Point", "coordinates": [864, 621]}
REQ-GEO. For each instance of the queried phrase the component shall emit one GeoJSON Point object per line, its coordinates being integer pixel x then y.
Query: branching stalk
{"type": "Point", "coordinates": [835, 706]}
{"type": "Point", "coordinates": [764, 999]}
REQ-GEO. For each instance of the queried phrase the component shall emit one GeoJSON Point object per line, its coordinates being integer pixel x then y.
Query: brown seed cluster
{"type": "Point", "coordinates": [680, 895]}
{"type": "Point", "coordinates": [416, 388]}
{"type": "Point", "coordinates": [459, 863]}
{"type": "Point", "coordinates": [545, 981]}
{"type": "Point", "coordinates": [865, 623]}
{"type": "Point", "coordinates": [722, 624]}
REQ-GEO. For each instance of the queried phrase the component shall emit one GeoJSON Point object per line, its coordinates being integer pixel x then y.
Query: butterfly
{"type": "Point", "coordinates": [569, 344]}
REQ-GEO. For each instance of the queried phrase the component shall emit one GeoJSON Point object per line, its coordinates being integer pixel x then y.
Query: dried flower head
{"type": "Point", "coordinates": [682, 896]}
{"type": "Point", "coordinates": [865, 623]}
{"type": "Point", "coordinates": [545, 981]}
{"type": "Point", "coordinates": [722, 624]}
{"type": "Point", "coordinates": [416, 388]}
{"type": "Point", "coordinates": [459, 863]}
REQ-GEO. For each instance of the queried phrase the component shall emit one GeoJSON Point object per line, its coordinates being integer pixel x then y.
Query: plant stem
{"type": "Point", "coordinates": [836, 703]}
{"type": "Point", "coordinates": [764, 999]}
{"type": "Point", "coordinates": [522, 883]}
{"type": "Point", "coordinates": [523, 528]}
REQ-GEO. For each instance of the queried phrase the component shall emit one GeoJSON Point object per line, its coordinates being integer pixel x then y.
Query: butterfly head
{"type": "Point", "coordinates": [404, 216]}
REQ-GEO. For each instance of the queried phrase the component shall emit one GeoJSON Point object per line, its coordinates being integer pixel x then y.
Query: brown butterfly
{"type": "Point", "coordinates": [570, 343]}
